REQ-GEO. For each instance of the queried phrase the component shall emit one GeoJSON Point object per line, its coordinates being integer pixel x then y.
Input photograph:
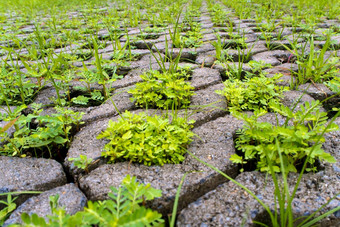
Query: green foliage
{"type": "Point", "coordinates": [334, 84]}
{"type": "Point", "coordinates": [154, 29]}
{"type": "Point", "coordinates": [192, 37]}
{"type": "Point", "coordinates": [83, 54]}
{"type": "Point", "coordinates": [314, 65]}
{"type": "Point", "coordinates": [9, 208]}
{"type": "Point", "coordinates": [220, 56]}
{"type": "Point", "coordinates": [219, 16]}
{"type": "Point", "coordinates": [257, 67]}
{"type": "Point", "coordinates": [81, 162]}
{"type": "Point", "coordinates": [122, 55]}
{"type": "Point", "coordinates": [147, 139]}
{"type": "Point", "coordinates": [15, 89]}
{"type": "Point", "coordinates": [122, 209]}
{"type": "Point", "coordinates": [40, 134]}
{"type": "Point", "coordinates": [163, 90]}
{"type": "Point", "coordinates": [80, 100]}
{"type": "Point", "coordinates": [252, 94]}
{"type": "Point", "coordinates": [90, 98]}
{"type": "Point", "coordinates": [296, 142]}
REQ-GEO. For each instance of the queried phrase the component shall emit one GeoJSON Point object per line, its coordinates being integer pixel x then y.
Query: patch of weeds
{"type": "Point", "coordinates": [222, 47]}
{"type": "Point", "coordinates": [15, 88]}
{"type": "Point", "coordinates": [81, 96]}
{"type": "Point", "coordinates": [154, 29]}
{"type": "Point", "coordinates": [82, 162]}
{"type": "Point", "coordinates": [85, 95]}
{"type": "Point", "coordinates": [251, 94]}
{"type": "Point", "coordinates": [219, 16]}
{"type": "Point", "coordinates": [163, 90]}
{"type": "Point", "coordinates": [334, 84]}
{"type": "Point", "coordinates": [314, 66]}
{"type": "Point", "coordinates": [237, 60]}
{"type": "Point", "coordinates": [257, 68]}
{"type": "Point", "coordinates": [119, 56]}
{"type": "Point", "coordinates": [10, 206]}
{"type": "Point", "coordinates": [235, 44]}
{"type": "Point", "coordinates": [265, 142]}
{"type": "Point", "coordinates": [190, 39]}
{"type": "Point", "coordinates": [89, 44]}
{"type": "Point", "coordinates": [148, 36]}
{"type": "Point", "coordinates": [40, 135]}
{"type": "Point", "coordinates": [150, 140]}
{"type": "Point", "coordinates": [83, 54]}
{"type": "Point", "coordinates": [122, 209]}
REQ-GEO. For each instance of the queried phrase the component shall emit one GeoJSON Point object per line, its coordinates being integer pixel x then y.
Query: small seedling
{"type": "Point", "coordinates": [81, 162]}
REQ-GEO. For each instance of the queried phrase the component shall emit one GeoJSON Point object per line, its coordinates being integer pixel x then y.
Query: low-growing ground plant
{"type": "Point", "coordinates": [314, 65]}
{"type": "Point", "coordinates": [163, 90]}
{"type": "Point", "coordinates": [283, 215]}
{"type": "Point", "coordinates": [82, 162]}
{"type": "Point", "coordinates": [8, 209]}
{"type": "Point", "coordinates": [150, 140]}
{"type": "Point", "coordinates": [9, 204]}
{"type": "Point", "coordinates": [222, 47]}
{"type": "Point", "coordinates": [40, 135]}
{"type": "Point", "coordinates": [263, 142]}
{"type": "Point", "coordinates": [252, 93]}
{"type": "Point", "coordinates": [193, 36]}
{"type": "Point", "coordinates": [334, 84]}
{"type": "Point", "coordinates": [15, 88]}
{"type": "Point", "coordinates": [122, 209]}
{"type": "Point", "coordinates": [232, 64]}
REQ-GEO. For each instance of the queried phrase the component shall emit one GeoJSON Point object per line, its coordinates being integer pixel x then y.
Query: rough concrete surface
{"type": "Point", "coordinates": [29, 174]}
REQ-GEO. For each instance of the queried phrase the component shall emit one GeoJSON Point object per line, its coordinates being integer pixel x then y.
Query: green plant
{"type": "Point", "coordinates": [15, 88]}
{"type": "Point", "coordinates": [36, 134]}
{"type": "Point", "coordinates": [192, 37]}
{"type": "Point", "coordinates": [85, 95]}
{"type": "Point", "coordinates": [81, 162]}
{"type": "Point", "coordinates": [219, 16]}
{"type": "Point", "coordinates": [163, 90]}
{"type": "Point", "coordinates": [314, 66]}
{"type": "Point", "coordinates": [257, 68]}
{"type": "Point", "coordinates": [122, 209]}
{"type": "Point", "coordinates": [222, 47]}
{"type": "Point", "coordinates": [83, 54]}
{"type": "Point", "coordinates": [234, 67]}
{"type": "Point", "coordinates": [89, 96]}
{"type": "Point", "coordinates": [259, 141]}
{"type": "Point", "coordinates": [9, 208]}
{"type": "Point", "coordinates": [102, 75]}
{"type": "Point", "coordinates": [282, 197]}
{"type": "Point", "coordinates": [334, 84]}
{"type": "Point", "coordinates": [283, 215]}
{"type": "Point", "coordinates": [252, 94]}
{"type": "Point", "coordinates": [154, 29]}
{"type": "Point", "coordinates": [175, 34]}
{"type": "Point", "coordinates": [221, 54]}
{"type": "Point", "coordinates": [147, 139]}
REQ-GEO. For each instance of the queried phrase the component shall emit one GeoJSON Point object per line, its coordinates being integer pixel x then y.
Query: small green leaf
{"type": "Point", "coordinates": [81, 100]}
